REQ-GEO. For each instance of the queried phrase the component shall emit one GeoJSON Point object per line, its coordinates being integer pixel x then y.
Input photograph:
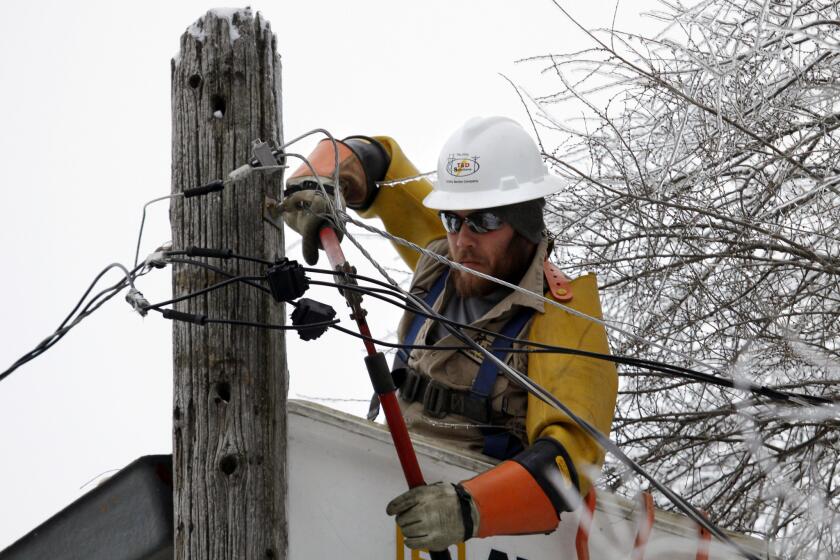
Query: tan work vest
{"type": "Point", "coordinates": [457, 369]}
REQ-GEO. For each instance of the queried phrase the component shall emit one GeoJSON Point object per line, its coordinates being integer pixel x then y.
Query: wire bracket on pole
{"type": "Point", "coordinates": [263, 154]}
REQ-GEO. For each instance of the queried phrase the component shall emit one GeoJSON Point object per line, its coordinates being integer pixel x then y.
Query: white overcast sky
{"type": "Point", "coordinates": [85, 141]}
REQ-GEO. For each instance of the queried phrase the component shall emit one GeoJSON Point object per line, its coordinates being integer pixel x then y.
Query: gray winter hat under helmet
{"type": "Point", "coordinates": [526, 218]}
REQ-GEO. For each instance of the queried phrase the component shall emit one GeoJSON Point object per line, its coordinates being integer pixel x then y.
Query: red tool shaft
{"type": "Point", "coordinates": [402, 443]}
{"type": "Point", "coordinates": [393, 414]}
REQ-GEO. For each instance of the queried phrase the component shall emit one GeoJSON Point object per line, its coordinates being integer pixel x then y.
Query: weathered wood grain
{"type": "Point", "coordinates": [229, 451]}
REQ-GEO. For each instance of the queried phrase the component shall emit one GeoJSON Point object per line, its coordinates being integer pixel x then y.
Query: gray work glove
{"type": "Point", "coordinates": [305, 212]}
{"type": "Point", "coordinates": [432, 516]}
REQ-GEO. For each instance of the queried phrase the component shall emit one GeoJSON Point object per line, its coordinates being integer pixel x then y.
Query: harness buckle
{"type": "Point", "coordinates": [476, 408]}
{"type": "Point", "coordinates": [411, 386]}
{"type": "Point", "coordinates": [436, 399]}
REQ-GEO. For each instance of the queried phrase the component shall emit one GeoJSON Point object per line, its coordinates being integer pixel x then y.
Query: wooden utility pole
{"type": "Point", "coordinates": [229, 447]}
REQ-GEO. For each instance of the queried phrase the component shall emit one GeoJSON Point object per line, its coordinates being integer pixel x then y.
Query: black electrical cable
{"type": "Point", "coordinates": [50, 341]}
{"type": "Point", "coordinates": [66, 325]}
{"type": "Point", "coordinates": [670, 371]}
{"type": "Point", "coordinates": [203, 320]}
{"type": "Point", "coordinates": [396, 344]}
{"type": "Point", "coordinates": [218, 270]}
{"type": "Point", "coordinates": [332, 323]}
{"type": "Point", "coordinates": [377, 293]}
{"type": "Point", "coordinates": [217, 253]}
{"type": "Point", "coordinates": [94, 304]}
{"type": "Point", "coordinates": [119, 285]}
{"type": "Point", "coordinates": [206, 290]}
{"type": "Point", "coordinates": [539, 347]}
{"type": "Point", "coordinates": [529, 345]}
{"type": "Point", "coordinates": [374, 292]}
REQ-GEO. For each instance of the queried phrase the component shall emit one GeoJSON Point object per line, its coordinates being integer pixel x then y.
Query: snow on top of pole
{"type": "Point", "coordinates": [197, 28]}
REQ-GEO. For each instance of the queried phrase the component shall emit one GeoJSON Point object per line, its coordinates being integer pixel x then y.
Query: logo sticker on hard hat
{"type": "Point", "coordinates": [461, 165]}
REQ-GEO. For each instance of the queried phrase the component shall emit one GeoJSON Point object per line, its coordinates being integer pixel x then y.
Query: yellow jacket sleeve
{"type": "Point", "coordinates": [587, 386]}
{"type": "Point", "coordinates": [401, 207]}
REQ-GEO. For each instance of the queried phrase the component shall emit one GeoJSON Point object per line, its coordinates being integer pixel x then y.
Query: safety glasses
{"type": "Point", "coordinates": [478, 222]}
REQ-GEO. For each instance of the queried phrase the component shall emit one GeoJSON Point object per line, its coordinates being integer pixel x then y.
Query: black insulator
{"type": "Point", "coordinates": [186, 317]}
{"type": "Point", "coordinates": [309, 312]}
{"type": "Point", "coordinates": [205, 252]}
{"type": "Point", "coordinates": [287, 280]}
{"type": "Point", "coordinates": [212, 186]}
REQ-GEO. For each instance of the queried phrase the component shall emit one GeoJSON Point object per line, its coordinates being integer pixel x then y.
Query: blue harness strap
{"type": "Point", "coordinates": [486, 378]}
{"type": "Point", "coordinates": [403, 354]}
{"type": "Point", "coordinates": [499, 443]}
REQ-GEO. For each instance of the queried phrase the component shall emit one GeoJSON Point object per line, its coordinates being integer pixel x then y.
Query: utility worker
{"type": "Point", "coordinates": [486, 213]}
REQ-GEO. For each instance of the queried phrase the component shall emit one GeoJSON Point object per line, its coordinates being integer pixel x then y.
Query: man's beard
{"type": "Point", "coordinates": [510, 267]}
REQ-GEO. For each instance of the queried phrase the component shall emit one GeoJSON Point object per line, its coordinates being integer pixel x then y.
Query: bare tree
{"type": "Point", "coordinates": [704, 173]}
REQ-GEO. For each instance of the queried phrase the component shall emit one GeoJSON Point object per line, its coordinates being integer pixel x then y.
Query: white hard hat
{"type": "Point", "coordinates": [489, 162]}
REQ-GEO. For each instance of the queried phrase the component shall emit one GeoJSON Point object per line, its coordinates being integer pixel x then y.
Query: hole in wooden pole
{"type": "Point", "coordinates": [194, 81]}
{"type": "Point", "coordinates": [223, 391]}
{"type": "Point", "coordinates": [228, 464]}
{"type": "Point", "coordinates": [218, 106]}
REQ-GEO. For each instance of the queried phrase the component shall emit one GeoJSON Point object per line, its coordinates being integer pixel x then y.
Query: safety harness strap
{"type": "Point", "coordinates": [417, 323]}
{"type": "Point", "coordinates": [483, 384]}
{"type": "Point", "coordinates": [499, 443]}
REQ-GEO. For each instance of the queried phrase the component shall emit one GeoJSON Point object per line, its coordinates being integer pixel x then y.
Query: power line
{"type": "Point", "coordinates": [538, 347]}
{"type": "Point", "coordinates": [528, 346]}
{"type": "Point", "coordinates": [95, 303]}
